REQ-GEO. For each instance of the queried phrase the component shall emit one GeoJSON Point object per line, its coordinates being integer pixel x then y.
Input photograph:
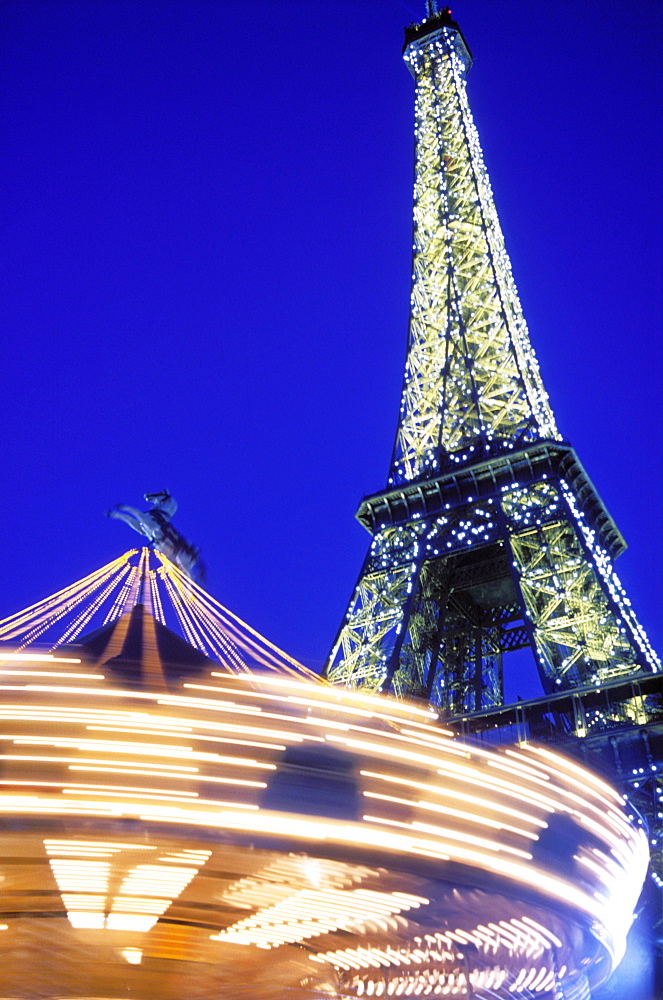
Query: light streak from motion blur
{"type": "Point", "coordinates": [374, 810]}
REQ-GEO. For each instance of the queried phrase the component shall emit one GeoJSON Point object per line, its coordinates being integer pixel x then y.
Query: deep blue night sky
{"type": "Point", "coordinates": [205, 265]}
{"type": "Point", "coordinates": [205, 275]}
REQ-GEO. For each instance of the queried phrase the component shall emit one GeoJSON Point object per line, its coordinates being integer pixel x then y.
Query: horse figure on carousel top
{"type": "Point", "coordinates": [155, 525]}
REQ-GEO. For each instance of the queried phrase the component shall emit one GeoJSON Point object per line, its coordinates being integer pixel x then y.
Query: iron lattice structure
{"type": "Point", "coordinates": [489, 536]}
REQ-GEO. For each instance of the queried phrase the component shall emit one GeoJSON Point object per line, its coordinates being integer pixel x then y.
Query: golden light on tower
{"type": "Point", "coordinates": [489, 536]}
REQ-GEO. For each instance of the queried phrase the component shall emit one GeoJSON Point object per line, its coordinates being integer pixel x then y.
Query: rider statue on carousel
{"type": "Point", "coordinates": [156, 525]}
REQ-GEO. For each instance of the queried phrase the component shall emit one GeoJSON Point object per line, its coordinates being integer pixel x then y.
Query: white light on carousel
{"type": "Point", "coordinates": [375, 854]}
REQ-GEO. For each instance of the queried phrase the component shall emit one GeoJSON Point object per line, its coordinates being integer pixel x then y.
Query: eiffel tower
{"type": "Point", "coordinates": [490, 536]}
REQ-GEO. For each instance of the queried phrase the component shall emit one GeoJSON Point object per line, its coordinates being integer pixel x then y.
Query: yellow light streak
{"type": "Point", "coordinates": [111, 847]}
{"type": "Point", "coordinates": [455, 794]}
{"type": "Point", "coordinates": [78, 767]}
{"type": "Point", "coordinates": [444, 832]}
{"type": "Point", "coordinates": [57, 600]}
{"type": "Point", "coordinates": [138, 801]}
{"type": "Point", "coordinates": [52, 673]}
{"type": "Point", "coordinates": [190, 587]}
{"type": "Point", "coordinates": [450, 769]}
{"type": "Point", "coordinates": [377, 703]}
{"type": "Point", "coordinates": [37, 658]}
{"type": "Point", "coordinates": [450, 811]}
{"type": "Point", "coordinates": [149, 750]}
{"type": "Point", "coordinates": [591, 782]}
{"type": "Point", "coordinates": [240, 782]}
{"type": "Point", "coordinates": [122, 790]}
{"type": "Point", "coordinates": [570, 795]}
{"type": "Point", "coordinates": [199, 736]}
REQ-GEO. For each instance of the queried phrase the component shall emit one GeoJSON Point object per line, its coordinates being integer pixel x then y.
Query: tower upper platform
{"type": "Point", "coordinates": [437, 22]}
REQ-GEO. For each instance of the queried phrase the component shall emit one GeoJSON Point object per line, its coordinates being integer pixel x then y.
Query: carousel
{"type": "Point", "coordinates": [199, 815]}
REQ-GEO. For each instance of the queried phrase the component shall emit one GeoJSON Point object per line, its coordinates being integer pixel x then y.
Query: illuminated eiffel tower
{"type": "Point", "coordinates": [489, 537]}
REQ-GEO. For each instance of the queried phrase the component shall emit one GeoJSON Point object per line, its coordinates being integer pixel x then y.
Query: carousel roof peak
{"type": "Point", "coordinates": [141, 652]}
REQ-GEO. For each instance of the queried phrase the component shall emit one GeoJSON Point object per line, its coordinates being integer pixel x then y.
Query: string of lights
{"type": "Point", "coordinates": [141, 576]}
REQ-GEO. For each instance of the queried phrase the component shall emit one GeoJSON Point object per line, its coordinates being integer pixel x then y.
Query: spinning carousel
{"type": "Point", "coordinates": [198, 815]}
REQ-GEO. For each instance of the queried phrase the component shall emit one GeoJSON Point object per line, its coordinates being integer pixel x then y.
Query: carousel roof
{"type": "Point", "coordinates": [143, 617]}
